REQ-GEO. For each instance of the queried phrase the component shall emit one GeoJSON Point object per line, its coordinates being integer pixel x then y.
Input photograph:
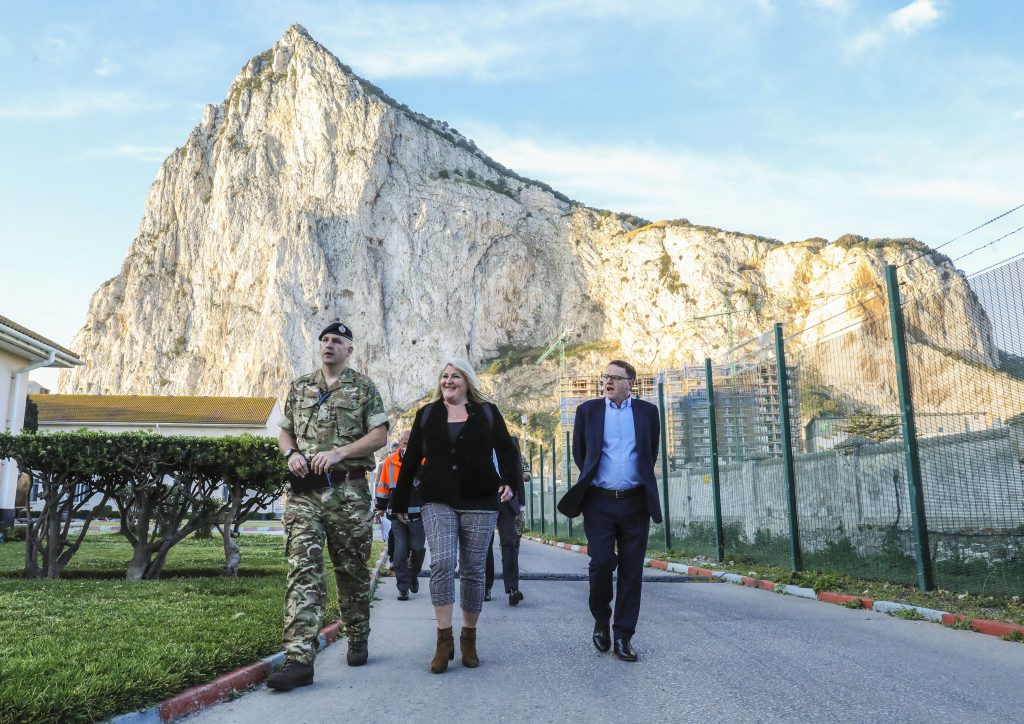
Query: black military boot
{"type": "Point", "coordinates": [291, 675]}
{"type": "Point", "coordinates": [356, 653]}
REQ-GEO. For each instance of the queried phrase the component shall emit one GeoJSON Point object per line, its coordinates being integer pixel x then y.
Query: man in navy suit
{"type": "Point", "coordinates": [615, 445]}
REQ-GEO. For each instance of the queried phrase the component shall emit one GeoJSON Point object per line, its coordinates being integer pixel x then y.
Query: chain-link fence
{"type": "Point", "coordinates": [968, 393]}
{"type": "Point", "coordinates": [941, 507]}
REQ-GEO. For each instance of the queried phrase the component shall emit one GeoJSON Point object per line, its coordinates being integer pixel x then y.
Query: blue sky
{"type": "Point", "coordinates": [785, 118]}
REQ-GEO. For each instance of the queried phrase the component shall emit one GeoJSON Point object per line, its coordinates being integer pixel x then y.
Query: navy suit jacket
{"type": "Point", "coordinates": [588, 439]}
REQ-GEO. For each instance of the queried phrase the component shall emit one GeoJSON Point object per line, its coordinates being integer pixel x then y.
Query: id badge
{"type": "Point", "coordinates": [323, 414]}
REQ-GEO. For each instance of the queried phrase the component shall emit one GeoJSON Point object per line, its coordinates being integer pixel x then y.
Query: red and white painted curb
{"type": "Point", "coordinates": [223, 687]}
{"type": "Point", "coordinates": [981, 625]}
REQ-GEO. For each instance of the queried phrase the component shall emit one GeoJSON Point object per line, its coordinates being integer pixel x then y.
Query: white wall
{"type": "Point", "coordinates": [9, 364]}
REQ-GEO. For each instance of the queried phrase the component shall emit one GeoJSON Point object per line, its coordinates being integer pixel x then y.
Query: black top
{"type": "Point", "coordinates": [489, 502]}
{"type": "Point", "coordinates": [460, 473]}
{"type": "Point", "coordinates": [454, 428]}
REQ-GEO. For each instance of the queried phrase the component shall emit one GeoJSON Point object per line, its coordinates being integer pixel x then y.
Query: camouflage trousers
{"type": "Point", "coordinates": [339, 517]}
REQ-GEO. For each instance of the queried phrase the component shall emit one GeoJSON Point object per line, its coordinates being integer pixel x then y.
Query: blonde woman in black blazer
{"type": "Point", "coordinates": [449, 459]}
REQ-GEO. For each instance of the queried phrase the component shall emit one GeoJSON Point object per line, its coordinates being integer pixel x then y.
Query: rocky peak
{"type": "Point", "coordinates": [309, 195]}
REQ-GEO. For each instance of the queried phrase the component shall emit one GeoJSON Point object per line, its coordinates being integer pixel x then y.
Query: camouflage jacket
{"type": "Point", "coordinates": [322, 417]}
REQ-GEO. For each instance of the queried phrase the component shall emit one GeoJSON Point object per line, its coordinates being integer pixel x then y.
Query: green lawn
{"type": "Point", "coordinates": [998, 608]}
{"type": "Point", "coordinates": [94, 645]}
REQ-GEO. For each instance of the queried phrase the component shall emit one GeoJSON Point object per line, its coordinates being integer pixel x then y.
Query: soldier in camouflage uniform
{"type": "Point", "coordinates": [333, 422]}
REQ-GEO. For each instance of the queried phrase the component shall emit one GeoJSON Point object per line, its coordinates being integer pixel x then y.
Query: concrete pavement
{"type": "Point", "coordinates": [709, 652]}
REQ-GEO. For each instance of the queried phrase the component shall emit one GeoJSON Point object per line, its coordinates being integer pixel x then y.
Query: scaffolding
{"type": "Point", "coordinates": [746, 402]}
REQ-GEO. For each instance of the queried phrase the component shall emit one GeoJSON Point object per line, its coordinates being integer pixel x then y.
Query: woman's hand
{"type": "Point", "coordinates": [505, 493]}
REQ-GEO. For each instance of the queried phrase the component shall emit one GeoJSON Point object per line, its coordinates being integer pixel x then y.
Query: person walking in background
{"type": "Point", "coordinates": [382, 491]}
{"type": "Point", "coordinates": [615, 445]}
{"type": "Point", "coordinates": [510, 531]}
{"type": "Point", "coordinates": [450, 456]}
{"type": "Point", "coordinates": [332, 423]}
{"type": "Point", "coordinates": [408, 536]}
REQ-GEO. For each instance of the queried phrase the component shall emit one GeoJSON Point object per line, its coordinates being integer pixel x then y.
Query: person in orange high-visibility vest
{"type": "Point", "coordinates": [410, 541]}
{"type": "Point", "coordinates": [381, 494]}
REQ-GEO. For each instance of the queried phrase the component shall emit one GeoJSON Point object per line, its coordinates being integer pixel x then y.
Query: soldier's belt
{"type": "Point", "coordinates": [315, 481]}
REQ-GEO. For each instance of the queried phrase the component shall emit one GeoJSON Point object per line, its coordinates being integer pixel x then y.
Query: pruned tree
{"type": "Point", "coordinates": [254, 475]}
{"type": "Point", "coordinates": [170, 494]}
{"type": "Point", "coordinates": [166, 488]}
{"type": "Point", "coordinates": [65, 466]}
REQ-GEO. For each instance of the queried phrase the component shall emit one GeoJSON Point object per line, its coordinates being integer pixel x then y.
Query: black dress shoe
{"type": "Point", "coordinates": [515, 597]}
{"type": "Point", "coordinates": [602, 636]}
{"type": "Point", "coordinates": [624, 651]}
{"type": "Point", "coordinates": [414, 584]}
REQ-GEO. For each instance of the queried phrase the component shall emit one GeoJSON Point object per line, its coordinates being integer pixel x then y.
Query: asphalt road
{"type": "Point", "coordinates": [708, 652]}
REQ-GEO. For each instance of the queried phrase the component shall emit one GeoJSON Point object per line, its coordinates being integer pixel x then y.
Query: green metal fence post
{"type": "Point", "coordinates": [554, 490]}
{"type": "Point", "coordinates": [925, 574]}
{"type": "Point", "coordinates": [664, 464]}
{"type": "Point", "coordinates": [716, 488]}
{"type": "Point", "coordinates": [568, 472]}
{"type": "Point", "coordinates": [543, 522]}
{"type": "Point", "coordinates": [795, 555]}
{"type": "Point", "coordinates": [530, 449]}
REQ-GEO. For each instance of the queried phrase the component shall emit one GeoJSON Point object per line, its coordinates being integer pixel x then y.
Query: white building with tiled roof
{"type": "Point", "coordinates": [169, 415]}
{"type": "Point", "coordinates": [166, 415]}
{"type": "Point", "coordinates": [21, 351]}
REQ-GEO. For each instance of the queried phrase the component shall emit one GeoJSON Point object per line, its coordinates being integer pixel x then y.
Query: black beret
{"type": "Point", "coordinates": [336, 328]}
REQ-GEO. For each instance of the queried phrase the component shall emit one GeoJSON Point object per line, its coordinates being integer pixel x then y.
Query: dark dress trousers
{"type": "Point", "coordinates": [507, 536]}
{"type": "Point", "coordinates": [616, 528]}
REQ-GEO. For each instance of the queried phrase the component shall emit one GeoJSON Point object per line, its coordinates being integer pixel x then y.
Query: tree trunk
{"type": "Point", "coordinates": [32, 554]}
{"type": "Point", "coordinates": [52, 545]}
{"type": "Point", "coordinates": [232, 551]}
{"type": "Point", "coordinates": [32, 549]}
{"type": "Point", "coordinates": [139, 563]}
{"type": "Point", "coordinates": [143, 551]}
{"type": "Point", "coordinates": [156, 566]}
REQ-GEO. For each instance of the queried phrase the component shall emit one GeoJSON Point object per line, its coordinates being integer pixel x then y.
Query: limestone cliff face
{"type": "Point", "coordinates": [309, 196]}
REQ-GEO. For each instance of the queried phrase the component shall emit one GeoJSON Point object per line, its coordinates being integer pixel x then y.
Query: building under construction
{"type": "Point", "coordinates": [746, 409]}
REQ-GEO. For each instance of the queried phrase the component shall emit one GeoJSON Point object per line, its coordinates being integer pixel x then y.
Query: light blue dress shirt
{"type": "Point", "coordinates": [618, 467]}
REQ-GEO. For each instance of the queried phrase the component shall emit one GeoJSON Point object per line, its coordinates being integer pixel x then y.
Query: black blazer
{"type": "Point", "coordinates": [587, 440]}
{"type": "Point", "coordinates": [518, 499]}
{"type": "Point", "coordinates": [465, 469]}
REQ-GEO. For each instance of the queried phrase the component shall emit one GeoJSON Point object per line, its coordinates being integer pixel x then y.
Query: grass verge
{"type": "Point", "coordinates": [970, 605]}
{"type": "Point", "coordinates": [93, 645]}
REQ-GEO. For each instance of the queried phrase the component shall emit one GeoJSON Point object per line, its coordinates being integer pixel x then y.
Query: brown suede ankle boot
{"type": "Point", "coordinates": [445, 651]}
{"type": "Point", "coordinates": [467, 643]}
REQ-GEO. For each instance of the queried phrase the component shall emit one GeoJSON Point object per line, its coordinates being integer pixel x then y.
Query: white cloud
{"type": "Point", "coordinates": [908, 20]}
{"type": "Point", "coordinates": [132, 151]}
{"type": "Point", "coordinates": [107, 68]}
{"type": "Point", "coordinates": [187, 59]}
{"type": "Point", "coordinates": [484, 40]}
{"type": "Point", "coordinates": [63, 44]}
{"type": "Point", "coordinates": [1018, 116]}
{"type": "Point", "coordinates": [836, 6]}
{"type": "Point", "coordinates": [931, 201]}
{"type": "Point", "coordinates": [74, 102]}
{"type": "Point", "coordinates": [914, 17]}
